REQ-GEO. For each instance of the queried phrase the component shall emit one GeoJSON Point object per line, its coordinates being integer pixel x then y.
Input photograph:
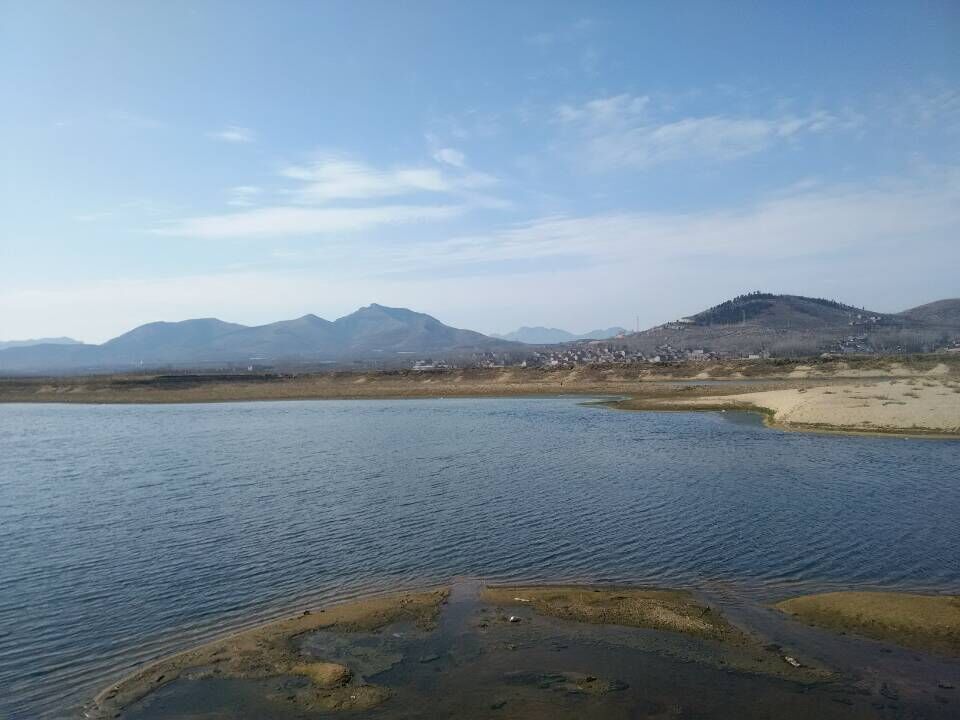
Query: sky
{"type": "Point", "coordinates": [494, 164]}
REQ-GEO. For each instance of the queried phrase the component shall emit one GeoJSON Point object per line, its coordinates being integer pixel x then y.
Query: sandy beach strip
{"type": "Point", "coordinates": [921, 406]}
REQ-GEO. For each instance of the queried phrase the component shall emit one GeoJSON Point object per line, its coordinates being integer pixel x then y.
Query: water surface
{"type": "Point", "coordinates": [130, 531]}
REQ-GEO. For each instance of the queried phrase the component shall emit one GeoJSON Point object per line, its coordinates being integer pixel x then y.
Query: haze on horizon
{"type": "Point", "coordinates": [565, 165]}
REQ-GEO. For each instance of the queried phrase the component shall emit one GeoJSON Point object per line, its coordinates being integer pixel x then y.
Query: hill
{"type": "Point", "coordinates": [802, 326]}
{"type": "Point", "coordinates": [388, 335]}
{"type": "Point", "coordinates": [942, 312]}
{"type": "Point", "coordinates": [549, 336]}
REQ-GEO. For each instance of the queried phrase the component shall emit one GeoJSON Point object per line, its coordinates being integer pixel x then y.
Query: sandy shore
{"type": "Point", "coordinates": [910, 406]}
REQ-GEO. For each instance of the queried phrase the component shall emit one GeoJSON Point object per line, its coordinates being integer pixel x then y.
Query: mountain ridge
{"type": "Point", "coordinates": [540, 335]}
{"type": "Point", "coordinates": [372, 331]}
{"type": "Point", "coordinates": [784, 325]}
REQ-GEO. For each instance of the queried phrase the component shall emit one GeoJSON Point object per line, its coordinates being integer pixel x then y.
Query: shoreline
{"type": "Point", "coordinates": [885, 402]}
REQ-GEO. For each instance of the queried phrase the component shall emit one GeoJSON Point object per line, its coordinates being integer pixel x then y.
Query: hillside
{"type": "Point", "coordinates": [798, 325]}
{"type": "Point", "coordinates": [375, 332]}
{"type": "Point", "coordinates": [942, 312]}
{"type": "Point", "coordinates": [548, 336]}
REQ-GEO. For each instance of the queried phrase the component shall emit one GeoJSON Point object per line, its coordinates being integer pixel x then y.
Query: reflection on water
{"type": "Point", "coordinates": [130, 531]}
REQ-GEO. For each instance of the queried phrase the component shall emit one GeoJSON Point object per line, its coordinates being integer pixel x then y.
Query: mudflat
{"type": "Point", "coordinates": [271, 651]}
{"type": "Point", "coordinates": [524, 651]}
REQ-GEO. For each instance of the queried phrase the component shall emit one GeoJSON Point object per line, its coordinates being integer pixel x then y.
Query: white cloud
{"type": "Point", "coordinates": [337, 179]}
{"type": "Point", "coordinates": [450, 156]}
{"type": "Point", "coordinates": [283, 221]}
{"type": "Point", "coordinates": [331, 179]}
{"type": "Point", "coordinates": [234, 134]}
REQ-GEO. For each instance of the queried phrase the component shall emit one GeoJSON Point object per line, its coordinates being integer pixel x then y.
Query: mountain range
{"type": "Point", "coordinates": [785, 325]}
{"type": "Point", "coordinates": [4, 344]}
{"type": "Point", "coordinates": [549, 336]}
{"type": "Point", "coordinates": [372, 332]}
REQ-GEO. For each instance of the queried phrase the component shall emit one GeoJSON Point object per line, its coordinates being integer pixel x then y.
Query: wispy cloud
{"type": "Point", "coordinates": [337, 195]}
{"type": "Point", "coordinates": [799, 222]}
{"type": "Point", "coordinates": [243, 195]}
{"type": "Point", "coordinates": [341, 179]}
{"type": "Point", "coordinates": [625, 131]}
{"type": "Point", "coordinates": [234, 134]}
{"type": "Point", "coordinates": [284, 221]}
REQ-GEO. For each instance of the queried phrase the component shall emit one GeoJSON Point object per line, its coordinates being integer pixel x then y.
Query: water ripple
{"type": "Point", "coordinates": [129, 532]}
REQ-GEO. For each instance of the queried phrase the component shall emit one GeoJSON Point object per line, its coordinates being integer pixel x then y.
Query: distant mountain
{"type": "Point", "coordinates": [375, 331]}
{"type": "Point", "coordinates": [551, 336]}
{"type": "Point", "coordinates": [4, 344]}
{"type": "Point", "coordinates": [798, 325]}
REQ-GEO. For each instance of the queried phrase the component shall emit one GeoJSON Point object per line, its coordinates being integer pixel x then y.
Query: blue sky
{"type": "Point", "coordinates": [494, 164]}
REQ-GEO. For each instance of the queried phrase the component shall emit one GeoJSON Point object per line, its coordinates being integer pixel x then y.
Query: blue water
{"type": "Point", "coordinates": [130, 531]}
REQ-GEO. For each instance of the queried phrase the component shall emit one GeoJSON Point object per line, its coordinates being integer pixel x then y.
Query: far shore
{"type": "Point", "coordinates": [917, 396]}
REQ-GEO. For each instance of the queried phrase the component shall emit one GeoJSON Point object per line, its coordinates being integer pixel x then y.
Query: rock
{"type": "Point", "coordinates": [429, 658]}
{"type": "Point", "coordinates": [324, 674]}
{"type": "Point", "coordinates": [514, 619]}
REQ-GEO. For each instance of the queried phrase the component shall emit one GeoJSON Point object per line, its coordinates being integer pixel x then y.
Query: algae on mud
{"type": "Point", "coordinates": [924, 622]}
{"type": "Point", "coordinates": [271, 651]}
{"type": "Point", "coordinates": [657, 609]}
{"type": "Point", "coordinates": [570, 652]}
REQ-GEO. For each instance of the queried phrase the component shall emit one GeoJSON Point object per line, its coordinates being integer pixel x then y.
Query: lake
{"type": "Point", "coordinates": [127, 532]}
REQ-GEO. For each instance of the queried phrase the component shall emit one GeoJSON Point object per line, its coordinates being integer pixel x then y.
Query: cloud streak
{"type": "Point", "coordinates": [234, 134]}
{"type": "Point", "coordinates": [622, 131]}
{"type": "Point", "coordinates": [283, 221]}
{"type": "Point", "coordinates": [327, 200]}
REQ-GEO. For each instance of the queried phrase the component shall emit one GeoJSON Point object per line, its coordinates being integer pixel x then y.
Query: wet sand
{"type": "Point", "coordinates": [535, 652]}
